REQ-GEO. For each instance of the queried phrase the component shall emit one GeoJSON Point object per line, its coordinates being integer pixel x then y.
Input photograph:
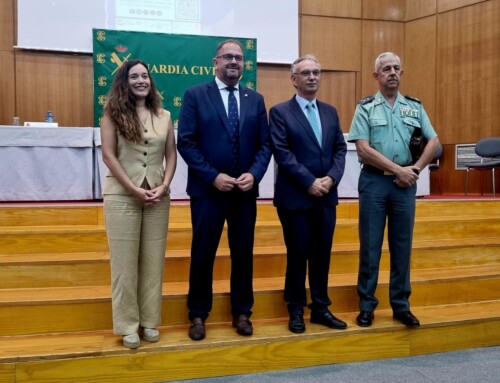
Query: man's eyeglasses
{"type": "Point", "coordinates": [307, 73]}
{"type": "Point", "coordinates": [230, 58]}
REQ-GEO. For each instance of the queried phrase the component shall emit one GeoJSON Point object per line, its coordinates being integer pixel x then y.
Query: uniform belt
{"type": "Point", "coordinates": [374, 170]}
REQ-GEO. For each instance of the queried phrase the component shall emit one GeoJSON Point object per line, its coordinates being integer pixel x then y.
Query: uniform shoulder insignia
{"type": "Point", "coordinates": [366, 100]}
{"type": "Point", "coordinates": [413, 98]}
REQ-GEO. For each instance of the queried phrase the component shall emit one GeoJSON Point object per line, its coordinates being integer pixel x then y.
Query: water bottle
{"type": "Point", "coordinates": [49, 117]}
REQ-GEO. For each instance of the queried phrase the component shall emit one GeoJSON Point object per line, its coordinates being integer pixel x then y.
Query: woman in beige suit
{"type": "Point", "coordinates": [137, 139]}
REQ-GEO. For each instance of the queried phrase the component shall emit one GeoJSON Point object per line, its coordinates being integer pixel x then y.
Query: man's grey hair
{"type": "Point", "coordinates": [303, 58]}
{"type": "Point", "coordinates": [381, 56]}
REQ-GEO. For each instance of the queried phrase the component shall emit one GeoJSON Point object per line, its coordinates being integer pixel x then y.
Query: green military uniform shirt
{"type": "Point", "coordinates": [389, 129]}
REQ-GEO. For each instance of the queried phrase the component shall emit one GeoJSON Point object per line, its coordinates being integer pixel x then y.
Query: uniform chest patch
{"type": "Point", "coordinates": [408, 112]}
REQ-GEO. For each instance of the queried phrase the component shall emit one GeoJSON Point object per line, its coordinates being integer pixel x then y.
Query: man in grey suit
{"type": "Point", "coordinates": [309, 148]}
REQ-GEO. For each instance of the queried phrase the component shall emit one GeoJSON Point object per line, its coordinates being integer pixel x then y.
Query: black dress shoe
{"type": "Point", "coordinates": [296, 323]}
{"type": "Point", "coordinates": [243, 325]}
{"type": "Point", "coordinates": [407, 318]}
{"type": "Point", "coordinates": [327, 319]}
{"type": "Point", "coordinates": [197, 329]}
{"type": "Point", "coordinates": [365, 318]}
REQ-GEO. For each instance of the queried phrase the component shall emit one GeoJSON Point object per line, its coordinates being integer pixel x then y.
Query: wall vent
{"type": "Point", "coordinates": [465, 153]}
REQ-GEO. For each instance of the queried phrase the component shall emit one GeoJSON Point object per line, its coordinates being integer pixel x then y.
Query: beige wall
{"type": "Point", "coordinates": [450, 51]}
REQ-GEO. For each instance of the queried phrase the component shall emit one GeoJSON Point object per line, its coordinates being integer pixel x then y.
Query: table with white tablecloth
{"type": "Point", "coordinates": [46, 164]}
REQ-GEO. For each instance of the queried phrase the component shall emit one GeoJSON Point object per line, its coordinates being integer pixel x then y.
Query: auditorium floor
{"type": "Point", "coordinates": [474, 365]}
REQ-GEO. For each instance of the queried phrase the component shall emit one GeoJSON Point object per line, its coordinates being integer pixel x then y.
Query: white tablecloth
{"type": "Point", "coordinates": [46, 164]}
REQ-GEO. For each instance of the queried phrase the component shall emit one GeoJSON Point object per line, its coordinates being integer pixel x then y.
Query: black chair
{"type": "Point", "coordinates": [489, 151]}
{"type": "Point", "coordinates": [434, 165]}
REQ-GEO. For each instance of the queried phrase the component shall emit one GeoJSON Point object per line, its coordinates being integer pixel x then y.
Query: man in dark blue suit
{"type": "Point", "coordinates": [310, 151]}
{"type": "Point", "coordinates": [224, 138]}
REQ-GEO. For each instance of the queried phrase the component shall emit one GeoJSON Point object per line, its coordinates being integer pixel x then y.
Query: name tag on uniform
{"type": "Point", "coordinates": [408, 112]}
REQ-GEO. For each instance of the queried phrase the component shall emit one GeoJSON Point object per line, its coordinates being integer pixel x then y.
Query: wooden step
{"type": "Point", "coordinates": [55, 304]}
{"type": "Point", "coordinates": [92, 214]}
{"type": "Point", "coordinates": [88, 308]}
{"type": "Point", "coordinates": [99, 357]}
{"type": "Point", "coordinates": [51, 215]}
{"type": "Point", "coordinates": [84, 238]}
{"type": "Point", "coordinates": [92, 268]}
{"type": "Point", "coordinates": [49, 239]}
{"type": "Point", "coordinates": [457, 208]}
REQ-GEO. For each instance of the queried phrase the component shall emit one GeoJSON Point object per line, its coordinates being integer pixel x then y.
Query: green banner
{"type": "Point", "coordinates": [176, 63]}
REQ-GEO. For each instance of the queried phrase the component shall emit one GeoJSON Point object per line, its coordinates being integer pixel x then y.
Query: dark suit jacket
{"type": "Point", "coordinates": [204, 140]}
{"type": "Point", "coordinates": [299, 157]}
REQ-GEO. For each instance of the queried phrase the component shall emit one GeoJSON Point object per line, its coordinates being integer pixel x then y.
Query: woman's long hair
{"type": "Point", "coordinates": [121, 103]}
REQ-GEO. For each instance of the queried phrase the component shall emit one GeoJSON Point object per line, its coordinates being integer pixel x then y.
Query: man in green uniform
{"type": "Point", "coordinates": [382, 128]}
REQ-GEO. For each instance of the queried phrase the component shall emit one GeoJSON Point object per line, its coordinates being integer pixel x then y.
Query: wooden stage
{"type": "Point", "coordinates": [55, 304]}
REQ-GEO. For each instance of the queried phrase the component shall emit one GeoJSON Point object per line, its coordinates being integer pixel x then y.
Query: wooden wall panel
{"type": "Point", "coordinates": [7, 88]}
{"type": "Point", "coordinates": [339, 90]}
{"type": "Point", "coordinates": [468, 67]}
{"type": "Point", "coordinates": [336, 8]}
{"type": "Point", "coordinates": [378, 37]}
{"type": "Point", "coordinates": [393, 10]}
{"type": "Point", "coordinates": [449, 180]}
{"type": "Point", "coordinates": [359, 91]}
{"type": "Point", "coordinates": [334, 41]}
{"type": "Point", "coordinates": [447, 5]}
{"type": "Point", "coordinates": [61, 83]}
{"type": "Point", "coordinates": [274, 84]}
{"type": "Point", "coordinates": [7, 63]}
{"type": "Point", "coordinates": [419, 78]}
{"type": "Point", "coordinates": [6, 25]}
{"type": "Point", "coordinates": [416, 9]}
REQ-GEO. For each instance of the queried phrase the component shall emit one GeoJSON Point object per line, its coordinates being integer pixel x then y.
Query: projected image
{"type": "Point", "coordinates": [166, 16]}
{"type": "Point", "coordinates": [67, 24]}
